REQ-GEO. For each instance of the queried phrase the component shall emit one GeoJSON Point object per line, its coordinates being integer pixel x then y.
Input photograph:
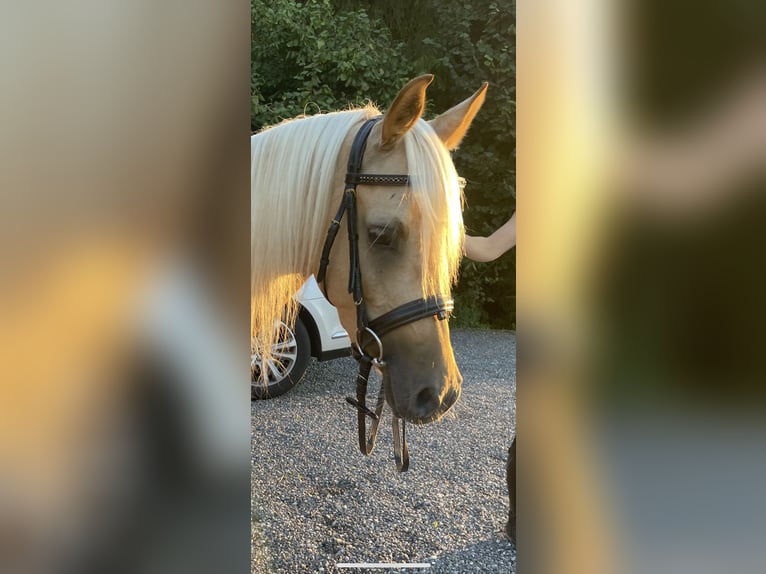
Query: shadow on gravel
{"type": "Point", "coordinates": [487, 557]}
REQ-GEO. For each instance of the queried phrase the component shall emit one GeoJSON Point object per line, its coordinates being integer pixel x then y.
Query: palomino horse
{"type": "Point", "coordinates": [406, 234]}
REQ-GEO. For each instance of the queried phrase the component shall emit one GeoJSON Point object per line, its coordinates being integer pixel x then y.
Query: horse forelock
{"type": "Point", "coordinates": [438, 196]}
{"type": "Point", "coordinates": [437, 193]}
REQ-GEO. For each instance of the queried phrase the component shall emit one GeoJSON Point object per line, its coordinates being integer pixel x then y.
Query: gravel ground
{"type": "Point", "coordinates": [317, 501]}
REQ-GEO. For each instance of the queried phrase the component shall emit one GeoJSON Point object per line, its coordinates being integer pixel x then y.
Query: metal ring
{"type": "Point", "coordinates": [379, 359]}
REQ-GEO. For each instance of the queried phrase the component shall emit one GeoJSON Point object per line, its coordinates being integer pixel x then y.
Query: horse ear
{"type": "Point", "coordinates": [406, 110]}
{"type": "Point", "coordinates": [452, 125]}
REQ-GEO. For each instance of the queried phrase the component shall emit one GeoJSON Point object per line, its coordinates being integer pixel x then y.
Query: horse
{"type": "Point", "coordinates": [405, 236]}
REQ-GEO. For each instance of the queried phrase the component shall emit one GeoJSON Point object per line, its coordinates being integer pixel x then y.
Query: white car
{"type": "Point", "coordinates": [317, 333]}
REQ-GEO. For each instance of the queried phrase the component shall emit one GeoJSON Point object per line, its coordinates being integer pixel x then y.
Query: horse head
{"type": "Point", "coordinates": [409, 246]}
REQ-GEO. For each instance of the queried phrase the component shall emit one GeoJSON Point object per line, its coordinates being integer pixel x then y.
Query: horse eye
{"type": "Point", "coordinates": [382, 236]}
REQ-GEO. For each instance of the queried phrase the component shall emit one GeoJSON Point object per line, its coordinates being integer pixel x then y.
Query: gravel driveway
{"type": "Point", "coordinates": [317, 501]}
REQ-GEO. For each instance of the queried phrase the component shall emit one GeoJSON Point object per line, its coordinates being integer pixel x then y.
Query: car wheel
{"type": "Point", "coordinates": [290, 357]}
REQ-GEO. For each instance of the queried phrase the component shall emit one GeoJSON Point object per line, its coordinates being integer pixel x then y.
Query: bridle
{"type": "Point", "coordinates": [371, 331]}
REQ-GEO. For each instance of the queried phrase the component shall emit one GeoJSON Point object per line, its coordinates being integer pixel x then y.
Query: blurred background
{"type": "Point", "coordinates": [641, 155]}
{"type": "Point", "coordinates": [124, 403]}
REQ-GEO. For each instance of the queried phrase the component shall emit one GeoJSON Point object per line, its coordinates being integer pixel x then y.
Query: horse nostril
{"type": "Point", "coordinates": [426, 402]}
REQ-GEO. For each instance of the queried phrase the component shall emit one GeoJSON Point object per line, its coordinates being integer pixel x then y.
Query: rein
{"type": "Point", "coordinates": [371, 331]}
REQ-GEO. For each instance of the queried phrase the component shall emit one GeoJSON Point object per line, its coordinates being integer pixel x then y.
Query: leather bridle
{"type": "Point", "coordinates": [371, 331]}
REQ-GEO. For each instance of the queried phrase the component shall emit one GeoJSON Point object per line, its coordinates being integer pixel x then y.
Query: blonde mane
{"type": "Point", "coordinates": [294, 167]}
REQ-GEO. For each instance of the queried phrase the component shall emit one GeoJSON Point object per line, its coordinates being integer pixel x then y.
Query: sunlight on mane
{"type": "Point", "coordinates": [294, 166]}
{"type": "Point", "coordinates": [438, 195]}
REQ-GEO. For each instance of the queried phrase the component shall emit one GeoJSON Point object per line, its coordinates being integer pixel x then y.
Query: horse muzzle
{"type": "Point", "coordinates": [425, 402]}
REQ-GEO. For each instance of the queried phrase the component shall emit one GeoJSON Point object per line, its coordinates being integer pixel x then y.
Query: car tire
{"type": "Point", "coordinates": [291, 357]}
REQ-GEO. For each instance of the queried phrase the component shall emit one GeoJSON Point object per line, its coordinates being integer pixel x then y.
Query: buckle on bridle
{"type": "Point", "coordinates": [375, 360]}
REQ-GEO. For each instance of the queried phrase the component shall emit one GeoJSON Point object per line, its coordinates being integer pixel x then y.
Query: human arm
{"type": "Point", "coordinates": [485, 249]}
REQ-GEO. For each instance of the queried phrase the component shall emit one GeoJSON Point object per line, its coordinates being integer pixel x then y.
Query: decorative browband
{"type": "Point", "coordinates": [376, 179]}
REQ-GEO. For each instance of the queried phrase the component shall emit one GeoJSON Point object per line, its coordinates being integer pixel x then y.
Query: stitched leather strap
{"type": "Point", "coordinates": [401, 452]}
{"type": "Point", "coordinates": [332, 231]}
{"type": "Point", "coordinates": [358, 147]}
{"type": "Point", "coordinates": [366, 444]}
{"type": "Point", "coordinates": [410, 312]}
{"type": "Point", "coordinates": [377, 179]}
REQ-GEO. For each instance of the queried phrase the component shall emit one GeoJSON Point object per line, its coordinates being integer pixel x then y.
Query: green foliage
{"type": "Point", "coordinates": [469, 43]}
{"type": "Point", "coordinates": [321, 55]}
{"type": "Point", "coordinates": [306, 58]}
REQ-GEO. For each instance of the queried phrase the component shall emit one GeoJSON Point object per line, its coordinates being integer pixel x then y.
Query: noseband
{"type": "Point", "coordinates": [371, 331]}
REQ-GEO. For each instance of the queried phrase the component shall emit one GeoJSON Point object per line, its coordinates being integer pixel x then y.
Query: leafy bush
{"type": "Point", "coordinates": [307, 58]}
{"type": "Point", "coordinates": [472, 42]}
